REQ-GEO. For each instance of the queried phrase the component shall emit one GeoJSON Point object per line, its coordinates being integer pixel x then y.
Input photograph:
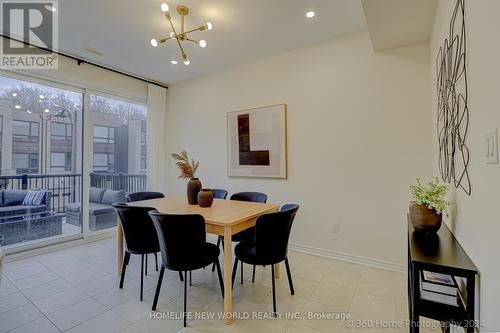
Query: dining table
{"type": "Point", "coordinates": [224, 218]}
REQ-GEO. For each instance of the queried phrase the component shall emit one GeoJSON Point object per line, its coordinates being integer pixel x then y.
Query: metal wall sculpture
{"type": "Point", "coordinates": [452, 99]}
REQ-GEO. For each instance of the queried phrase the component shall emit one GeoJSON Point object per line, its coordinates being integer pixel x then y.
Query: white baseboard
{"type": "Point", "coordinates": [351, 258]}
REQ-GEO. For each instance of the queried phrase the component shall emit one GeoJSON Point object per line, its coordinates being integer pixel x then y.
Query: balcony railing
{"type": "Point", "coordinates": [66, 188]}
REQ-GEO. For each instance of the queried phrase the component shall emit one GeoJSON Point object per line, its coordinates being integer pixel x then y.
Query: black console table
{"type": "Point", "coordinates": [439, 252]}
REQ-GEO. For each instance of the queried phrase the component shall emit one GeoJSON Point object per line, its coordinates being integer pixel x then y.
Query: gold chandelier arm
{"type": "Point", "coordinates": [200, 28]}
{"type": "Point", "coordinates": [192, 40]}
{"type": "Point", "coordinates": [173, 29]}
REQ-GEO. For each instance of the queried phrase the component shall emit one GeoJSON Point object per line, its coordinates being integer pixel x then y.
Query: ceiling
{"type": "Point", "coordinates": [396, 23]}
{"type": "Point", "coordinates": [243, 30]}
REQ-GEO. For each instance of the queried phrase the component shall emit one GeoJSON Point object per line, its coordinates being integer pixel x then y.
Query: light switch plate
{"type": "Point", "coordinates": [492, 147]}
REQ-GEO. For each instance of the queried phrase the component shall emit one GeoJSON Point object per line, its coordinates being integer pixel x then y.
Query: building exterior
{"type": "Point", "coordinates": [49, 143]}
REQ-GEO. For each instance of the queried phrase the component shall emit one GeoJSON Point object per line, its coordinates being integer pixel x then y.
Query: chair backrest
{"type": "Point", "coordinates": [138, 196]}
{"type": "Point", "coordinates": [138, 229]}
{"type": "Point", "coordinates": [272, 233]}
{"type": "Point", "coordinates": [219, 194]}
{"type": "Point", "coordinates": [250, 196]}
{"type": "Point", "coordinates": [182, 239]}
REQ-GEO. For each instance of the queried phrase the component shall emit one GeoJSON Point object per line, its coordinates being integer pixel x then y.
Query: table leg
{"type": "Point", "coordinates": [120, 248]}
{"type": "Point", "coordinates": [228, 268]}
{"type": "Point", "coordinates": [277, 271]}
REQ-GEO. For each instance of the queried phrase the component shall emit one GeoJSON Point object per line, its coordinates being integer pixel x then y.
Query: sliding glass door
{"type": "Point", "coordinates": [118, 158]}
{"type": "Point", "coordinates": [40, 161]}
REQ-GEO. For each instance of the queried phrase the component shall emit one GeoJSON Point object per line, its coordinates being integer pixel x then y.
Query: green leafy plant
{"type": "Point", "coordinates": [431, 195]}
{"type": "Point", "coordinates": [187, 169]}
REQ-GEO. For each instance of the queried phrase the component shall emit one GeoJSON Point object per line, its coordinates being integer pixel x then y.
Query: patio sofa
{"type": "Point", "coordinates": [25, 220]}
{"type": "Point", "coordinates": [11, 203]}
{"type": "Point", "coordinates": [101, 214]}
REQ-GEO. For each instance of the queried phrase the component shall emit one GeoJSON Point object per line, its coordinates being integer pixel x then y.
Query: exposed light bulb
{"type": "Point", "coordinates": [310, 14]}
{"type": "Point", "coordinates": [203, 43]}
{"type": "Point", "coordinates": [14, 94]}
{"type": "Point", "coordinates": [154, 42]}
{"type": "Point", "coordinates": [41, 96]}
{"type": "Point", "coordinates": [172, 35]}
{"type": "Point", "coordinates": [46, 110]}
{"type": "Point", "coordinates": [173, 62]}
{"type": "Point", "coordinates": [209, 25]}
{"type": "Point", "coordinates": [51, 8]}
{"type": "Point", "coordinates": [17, 106]}
{"type": "Point", "coordinates": [187, 62]}
{"type": "Point", "coordinates": [164, 7]}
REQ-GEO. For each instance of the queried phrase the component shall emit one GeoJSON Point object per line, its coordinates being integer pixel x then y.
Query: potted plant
{"type": "Point", "coordinates": [188, 171]}
{"type": "Point", "coordinates": [428, 205]}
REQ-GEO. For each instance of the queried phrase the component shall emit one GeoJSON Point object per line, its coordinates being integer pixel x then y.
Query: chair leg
{"type": "Point", "coordinates": [142, 274]}
{"type": "Point", "coordinates": [290, 283]}
{"type": "Point", "coordinates": [253, 274]}
{"type": "Point", "coordinates": [185, 297]}
{"type": "Point", "coordinates": [158, 288]}
{"type": "Point", "coordinates": [241, 277]}
{"type": "Point", "coordinates": [146, 269]}
{"type": "Point", "coordinates": [219, 273]}
{"type": "Point", "coordinates": [180, 276]}
{"type": "Point", "coordinates": [235, 267]}
{"type": "Point", "coordinates": [126, 258]}
{"type": "Point", "coordinates": [190, 278]}
{"type": "Point", "coordinates": [218, 245]}
{"type": "Point", "coordinates": [274, 291]}
{"type": "Point", "coordinates": [156, 261]}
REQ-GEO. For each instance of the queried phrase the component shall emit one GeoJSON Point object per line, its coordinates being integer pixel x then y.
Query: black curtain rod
{"type": "Point", "coordinates": [83, 61]}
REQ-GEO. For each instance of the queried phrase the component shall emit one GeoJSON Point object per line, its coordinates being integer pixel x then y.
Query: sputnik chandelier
{"type": "Point", "coordinates": [182, 35]}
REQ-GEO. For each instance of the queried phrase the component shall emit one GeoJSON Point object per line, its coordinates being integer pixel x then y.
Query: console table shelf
{"type": "Point", "coordinates": [439, 252]}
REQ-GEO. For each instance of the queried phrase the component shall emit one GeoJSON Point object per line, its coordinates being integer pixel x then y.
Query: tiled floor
{"type": "Point", "coordinates": [76, 290]}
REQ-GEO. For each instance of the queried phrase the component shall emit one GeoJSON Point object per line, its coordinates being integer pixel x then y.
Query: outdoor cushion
{"type": "Point", "coordinates": [96, 194]}
{"type": "Point", "coordinates": [97, 209]}
{"type": "Point", "coordinates": [13, 198]}
{"type": "Point", "coordinates": [34, 198]}
{"type": "Point", "coordinates": [111, 197]}
{"type": "Point", "coordinates": [73, 207]}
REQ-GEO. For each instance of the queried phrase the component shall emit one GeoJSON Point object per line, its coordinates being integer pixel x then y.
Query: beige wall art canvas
{"type": "Point", "coordinates": [257, 142]}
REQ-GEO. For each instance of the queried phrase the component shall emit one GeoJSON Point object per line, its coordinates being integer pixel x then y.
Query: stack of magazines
{"type": "Point", "coordinates": [440, 288]}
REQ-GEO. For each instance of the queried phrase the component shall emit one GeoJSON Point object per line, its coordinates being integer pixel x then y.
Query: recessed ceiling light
{"type": "Point", "coordinates": [173, 62]}
{"type": "Point", "coordinates": [310, 14]}
{"type": "Point", "coordinates": [51, 8]}
{"type": "Point", "coordinates": [17, 106]}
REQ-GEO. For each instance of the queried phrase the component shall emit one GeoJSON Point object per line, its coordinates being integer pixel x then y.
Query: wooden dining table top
{"type": "Point", "coordinates": [222, 212]}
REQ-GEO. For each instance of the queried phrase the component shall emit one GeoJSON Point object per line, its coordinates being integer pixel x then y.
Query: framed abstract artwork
{"type": "Point", "coordinates": [256, 142]}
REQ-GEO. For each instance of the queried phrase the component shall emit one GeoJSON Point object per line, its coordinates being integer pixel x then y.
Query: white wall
{"type": "Point", "coordinates": [359, 132]}
{"type": "Point", "coordinates": [476, 220]}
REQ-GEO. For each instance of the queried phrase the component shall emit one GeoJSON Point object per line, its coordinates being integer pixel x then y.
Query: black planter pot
{"type": "Point", "coordinates": [193, 187]}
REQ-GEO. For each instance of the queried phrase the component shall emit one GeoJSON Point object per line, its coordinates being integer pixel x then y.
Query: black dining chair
{"type": "Point", "coordinates": [219, 194]}
{"type": "Point", "coordinates": [247, 233]}
{"type": "Point", "coordinates": [140, 236]}
{"type": "Point", "coordinates": [138, 196]}
{"type": "Point", "coordinates": [183, 247]}
{"type": "Point", "coordinates": [270, 245]}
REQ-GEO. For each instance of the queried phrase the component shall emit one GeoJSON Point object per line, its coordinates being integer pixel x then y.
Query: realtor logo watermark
{"type": "Point", "coordinates": [36, 23]}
